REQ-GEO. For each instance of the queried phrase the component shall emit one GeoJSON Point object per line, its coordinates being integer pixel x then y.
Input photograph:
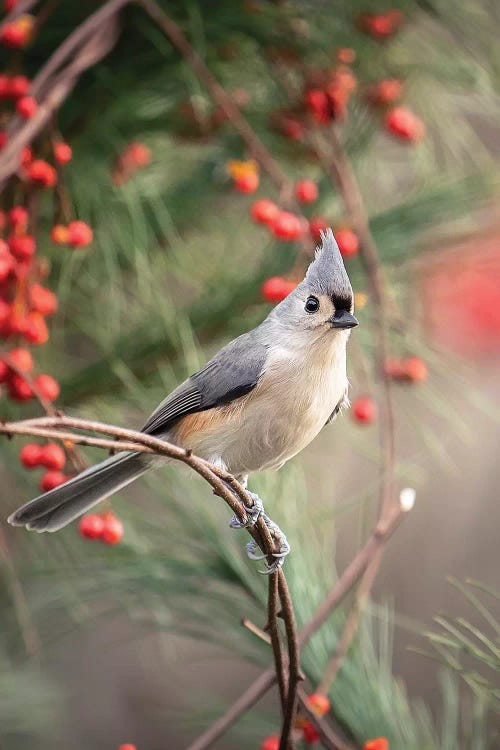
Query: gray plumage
{"type": "Point", "coordinates": [259, 401]}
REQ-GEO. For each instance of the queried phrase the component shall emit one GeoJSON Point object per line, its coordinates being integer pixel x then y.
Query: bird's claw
{"type": "Point", "coordinates": [284, 549]}
{"type": "Point", "coordinates": [253, 514]}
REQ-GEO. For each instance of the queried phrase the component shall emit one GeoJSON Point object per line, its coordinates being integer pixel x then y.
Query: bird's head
{"type": "Point", "coordinates": [323, 302]}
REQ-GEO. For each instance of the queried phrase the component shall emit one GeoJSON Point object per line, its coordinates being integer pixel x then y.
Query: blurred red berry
{"type": "Point", "coordinates": [51, 480]}
{"type": "Point", "coordinates": [35, 329]}
{"type": "Point", "coordinates": [7, 262]}
{"type": "Point", "coordinates": [319, 704]}
{"type": "Point", "coordinates": [14, 35]}
{"type": "Point", "coordinates": [310, 733]}
{"type": "Point", "coordinates": [317, 225]}
{"type": "Point", "coordinates": [127, 746]}
{"type": "Point", "coordinates": [41, 173]}
{"type": "Point", "coordinates": [79, 234]}
{"type": "Point", "coordinates": [416, 370]}
{"type": "Point", "coordinates": [52, 456]}
{"type": "Point", "coordinates": [42, 300]}
{"type": "Point", "coordinates": [19, 389]}
{"type": "Point", "coordinates": [47, 387]}
{"type": "Point", "coordinates": [18, 87]}
{"type": "Point", "coordinates": [291, 129]}
{"type": "Point", "coordinates": [346, 55]}
{"type": "Point", "coordinates": [18, 217]}
{"type": "Point", "coordinates": [276, 289]}
{"type": "Point", "coordinates": [30, 456]}
{"type": "Point", "coordinates": [112, 532]}
{"type": "Point", "coordinates": [21, 359]}
{"type": "Point", "coordinates": [264, 211]}
{"type": "Point", "coordinates": [138, 154]}
{"type": "Point", "coordinates": [348, 242]}
{"type": "Point", "coordinates": [26, 156]}
{"type": "Point", "coordinates": [247, 183]}
{"type": "Point", "coordinates": [91, 526]}
{"type": "Point", "coordinates": [22, 247]}
{"type": "Point", "coordinates": [405, 125]}
{"type": "Point", "coordinates": [59, 234]}
{"type": "Point", "coordinates": [394, 368]}
{"type": "Point", "coordinates": [306, 191]}
{"type": "Point", "coordinates": [9, 5]}
{"type": "Point", "coordinates": [287, 226]}
{"type": "Point", "coordinates": [4, 371]}
{"type": "Point", "coordinates": [271, 743]}
{"type": "Point", "coordinates": [364, 410]}
{"type": "Point", "coordinates": [381, 26]}
{"type": "Point", "coordinates": [318, 104]}
{"type": "Point", "coordinates": [62, 153]}
{"type": "Point", "coordinates": [26, 107]}
{"type": "Point", "coordinates": [381, 743]}
{"type": "Point", "coordinates": [386, 92]}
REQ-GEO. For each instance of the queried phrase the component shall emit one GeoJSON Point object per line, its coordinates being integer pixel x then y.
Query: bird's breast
{"type": "Point", "coordinates": [285, 411]}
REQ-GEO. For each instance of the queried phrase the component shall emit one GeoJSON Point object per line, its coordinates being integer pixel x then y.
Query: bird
{"type": "Point", "coordinates": [257, 403]}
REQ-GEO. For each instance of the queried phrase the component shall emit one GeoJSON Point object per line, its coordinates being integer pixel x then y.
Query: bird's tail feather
{"type": "Point", "coordinates": [55, 509]}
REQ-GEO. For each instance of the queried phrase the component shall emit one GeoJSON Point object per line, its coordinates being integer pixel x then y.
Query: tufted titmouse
{"type": "Point", "coordinates": [258, 402]}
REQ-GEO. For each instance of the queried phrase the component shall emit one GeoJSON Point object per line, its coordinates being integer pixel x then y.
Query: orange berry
{"type": "Point", "coordinates": [247, 183]}
{"type": "Point", "coordinates": [319, 704]}
{"type": "Point", "coordinates": [405, 125]}
{"type": "Point", "coordinates": [42, 300]}
{"type": "Point", "coordinates": [381, 743]}
{"type": "Point", "coordinates": [59, 234]}
{"type": "Point", "coordinates": [21, 359]}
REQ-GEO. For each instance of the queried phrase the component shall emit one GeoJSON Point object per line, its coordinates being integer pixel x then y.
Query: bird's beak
{"type": "Point", "coordinates": [343, 319]}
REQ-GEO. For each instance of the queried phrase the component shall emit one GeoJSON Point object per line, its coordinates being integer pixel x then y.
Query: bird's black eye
{"type": "Point", "coordinates": [312, 304]}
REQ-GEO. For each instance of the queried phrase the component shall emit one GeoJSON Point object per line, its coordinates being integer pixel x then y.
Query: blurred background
{"type": "Point", "coordinates": [148, 235]}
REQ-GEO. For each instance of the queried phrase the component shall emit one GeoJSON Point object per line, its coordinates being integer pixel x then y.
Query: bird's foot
{"type": "Point", "coordinates": [284, 547]}
{"type": "Point", "coordinates": [253, 514]}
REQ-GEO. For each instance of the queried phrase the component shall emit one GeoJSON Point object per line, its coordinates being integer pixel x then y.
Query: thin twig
{"type": "Point", "coordinates": [274, 638]}
{"type": "Point", "coordinates": [294, 673]}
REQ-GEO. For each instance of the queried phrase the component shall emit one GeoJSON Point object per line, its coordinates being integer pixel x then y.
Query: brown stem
{"type": "Point", "coordinates": [351, 626]}
{"type": "Point", "coordinates": [274, 637]}
{"type": "Point", "coordinates": [294, 673]}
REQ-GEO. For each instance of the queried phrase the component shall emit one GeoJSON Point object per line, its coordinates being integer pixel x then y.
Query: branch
{"type": "Point", "coordinates": [351, 575]}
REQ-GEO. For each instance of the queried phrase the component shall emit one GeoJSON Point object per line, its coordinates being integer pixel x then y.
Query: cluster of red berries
{"type": "Point", "coordinates": [50, 457]}
{"type": "Point", "coordinates": [76, 234]}
{"type": "Point", "coordinates": [19, 33]}
{"type": "Point", "coordinates": [106, 528]}
{"type": "Point", "coordinates": [409, 370]}
{"type": "Point", "coordinates": [319, 705]}
{"type": "Point", "coordinates": [16, 373]}
{"type": "Point", "coordinates": [135, 156]}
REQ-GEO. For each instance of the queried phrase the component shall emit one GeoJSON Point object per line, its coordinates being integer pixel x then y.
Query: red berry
{"type": "Point", "coordinates": [51, 480]}
{"type": "Point", "coordinates": [79, 234]}
{"type": "Point", "coordinates": [62, 153]}
{"type": "Point", "coordinates": [59, 234]}
{"type": "Point", "coordinates": [21, 359]}
{"type": "Point", "coordinates": [18, 217]}
{"type": "Point", "coordinates": [30, 456]}
{"type": "Point", "coordinates": [310, 733]}
{"type": "Point", "coordinates": [14, 36]}
{"type": "Point", "coordinates": [26, 156]}
{"type": "Point", "coordinates": [247, 183]}
{"type": "Point", "coordinates": [316, 226]}
{"type": "Point", "coordinates": [318, 104]}
{"type": "Point", "coordinates": [276, 289]}
{"type": "Point", "coordinates": [271, 743]}
{"type": "Point", "coordinates": [292, 129]}
{"type": "Point", "coordinates": [127, 746]}
{"type": "Point", "coordinates": [52, 456]}
{"type": "Point", "coordinates": [26, 107]}
{"type": "Point", "coordinates": [405, 125]}
{"type": "Point", "coordinates": [7, 263]}
{"type": "Point", "coordinates": [23, 247]}
{"type": "Point", "coordinates": [348, 242]}
{"type": "Point", "coordinates": [42, 300]}
{"type": "Point", "coordinates": [47, 387]}
{"type": "Point", "coordinates": [91, 526]}
{"type": "Point", "coordinates": [112, 532]}
{"type": "Point", "coordinates": [319, 704]}
{"type": "Point", "coordinates": [19, 389]}
{"type": "Point", "coordinates": [35, 329]}
{"type": "Point", "coordinates": [306, 191]}
{"type": "Point", "coordinates": [18, 87]}
{"type": "Point", "coordinates": [287, 226]}
{"type": "Point", "coordinates": [416, 370]}
{"type": "Point", "coordinates": [364, 410]}
{"type": "Point", "coordinates": [346, 55]}
{"type": "Point", "coordinates": [41, 173]}
{"type": "Point", "coordinates": [386, 92]}
{"type": "Point", "coordinates": [381, 743]}
{"type": "Point", "coordinates": [4, 371]}
{"type": "Point", "coordinates": [137, 154]}
{"type": "Point", "coordinates": [264, 211]}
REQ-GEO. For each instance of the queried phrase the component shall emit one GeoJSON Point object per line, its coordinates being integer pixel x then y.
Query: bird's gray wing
{"type": "Point", "coordinates": [232, 373]}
